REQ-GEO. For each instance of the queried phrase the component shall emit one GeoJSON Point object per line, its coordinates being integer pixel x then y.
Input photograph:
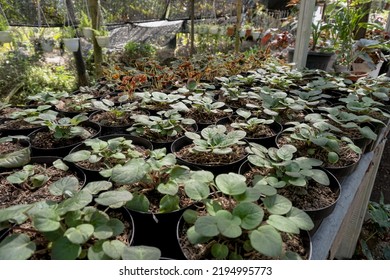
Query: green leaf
{"type": "Point", "coordinates": [78, 156]}
{"type": "Point", "coordinates": [231, 184]}
{"type": "Point", "coordinates": [116, 225]}
{"type": "Point", "coordinates": [196, 190]}
{"type": "Point", "coordinates": [46, 220]}
{"type": "Point", "coordinates": [77, 202]}
{"type": "Point", "coordinates": [74, 218]}
{"type": "Point", "coordinates": [64, 185]}
{"type": "Point", "coordinates": [169, 203]}
{"type": "Point", "coordinates": [320, 177]}
{"type": "Point", "coordinates": [96, 252]}
{"type": "Point", "coordinates": [251, 215]}
{"type": "Point", "coordinates": [139, 203]}
{"type": "Point", "coordinates": [59, 164]}
{"type": "Point", "coordinates": [277, 204]}
{"type": "Point", "coordinates": [141, 253]}
{"type": "Point", "coordinates": [196, 238]}
{"type": "Point", "coordinates": [15, 159]}
{"type": "Point", "coordinates": [227, 224]}
{"type": "Point", "coordinates": [250, 195]}
{"type": "Point", "coordinates": [79, 234]}
{"type": "Point", "coordinates": [282, 223]}
{"type": "Point", "coordinates": [300, 218]}
{"type": "Point", "coordinates": [333, 157]}
{"type": "Point", "coordinates": [113, 249]}
{"type": "Point", "coordinates": [103, 232]}
{"type": "Point", "coordinates": [219, 251]}
{"type": "Point", "coordinates": [18, 177]}
{"type": "Point", "coordinates": [266, 240]}
{"type": "Point", "coordinates": [17, 247]}
{"type": "Point", "coordinates": [170, 188]}
{"type": "Point", "coordinates": [15, 213]}
{"type": "Point", "coordinates": [265, 189]}
{"type": "Point", "coordinates": [190, 216]}
{"type": "Point", "coordinates": [63, 249]}
{"type": "Point", "coordinates": [286, 152]}
{"type": "Point", "coordinates": [207, 226]}
{"type": "Point", "coordinates": [114, 199]}
{"type": "Point", "coordinates": [97, 187]}
{"type": "Point", "coordinates": [130, 173]}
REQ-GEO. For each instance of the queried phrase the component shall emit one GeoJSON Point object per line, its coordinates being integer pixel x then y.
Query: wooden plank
{"type": "Point", "coordinates": [352, 225]}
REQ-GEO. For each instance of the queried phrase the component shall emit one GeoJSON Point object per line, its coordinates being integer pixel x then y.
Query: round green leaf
{"type": "Point", "coordinates": [63, 249]}
{"type": "Point", "coordinates": [300, 218]}
{"type": "Point", "coordinates": [219, 251]}
{"type": "Point", "coordinates": [227, 224]}
{"type": "Point", "coordinates": [141, 253]}
{"type": "Point", "coordinates": [46, 220]}
{"type": "Point", "coordinates": [190, 216]}
{"type": "Point", "coordinates": [68, 183]}
{"type": "Point", "coordinates": [78, 156]}
{"type": "Point", "coordinates": [277, 204]}
{"type": "Point", "coordinates": [231, 184]}
{"type": "Point", "coordinates": [207, 226]}
{"type": "Point", "coordinates": [77, 202]}
{"type": "Point", "coordinates": [139, 203]}
{"type": "Point", "coordinates": [251, 215]}
{"type": "Point", "coordinates": [114, 199]}
{"type": "Point", "coordinates": [169, 203]}
{"type": "Point", "coordinates": [103, 232]}
{"type": "Point", "coordinates": [16, 247]}
{"type": "Point", "coordinates": [267, 240]}
{"type": "Point", "coordinates": [96, 252]}
{"type": "Point", "coordinates": [97, 187]}
{"type": "Point", "coordinates": [79, 234]}
{"type": "Point", "coordinates": [196, 190]}
{"type": "Point", "coordinates": [170, 188]}
{"type": "Point", "coordinates": [113, 249]}
{"type": "Point", "coordinates": [282, 224]}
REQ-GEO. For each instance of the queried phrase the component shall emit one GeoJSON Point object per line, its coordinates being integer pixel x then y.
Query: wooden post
{"type": "Point", "coordinates": [192, 31]}
{"type": "Point", "coordinates": [94, 9]}
{"type": "Point", "coordinates": [305, 18]}
{"type": "Point", "coordinates": [238, 26]}
{"type": "Point", "coordinates": [82, 76]}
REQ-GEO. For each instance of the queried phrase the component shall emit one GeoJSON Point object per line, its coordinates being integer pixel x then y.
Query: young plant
{"type": "Point", "coordinates": [215, 139]}
{"type": "Point", "coordinates": [158, 100]}
{"type": "Point", "coordinates": [159, 183]}
{"type": "Point", "coordinates": [251, 125]}
{"type": "Point", "coordinates": [70, 229]}
{"type": "Point", "coordinates": [232, 225]}
{"type": "Point", "coordinates": [281, 168]}
{"type": "Point", "coordinates": [169, 125]}
{"type": "Point", "coordinates": [100, 154]}
{"type": "Point", "coordinates": [76, 103]}
{"type": "Point", "coordinates": [115, 112]}
{"type": "Point", "coordinates": [63, 128]}
{"type": "Point", "coordinates": [47, 97]}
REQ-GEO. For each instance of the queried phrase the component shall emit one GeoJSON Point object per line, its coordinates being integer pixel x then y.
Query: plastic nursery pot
{"type": "Point", "coordinates": [216, 169]}
{"type": "Point", "coordinates": [343, 171]}
{"type": "Point", "coordinates": [63, 150]}
{"type": "Point", "coordinates": [94, 175]}
{"type": "Point", "coordinates": [6, 131]}
{"type": "Point", "coordinates": [268, 141]}
{"type": "Point", "coordinates": [181, 240]}
{"type": "Point", "coordinates": [158, 230]}
{"type": "Point", "coordinates": [109, 129]}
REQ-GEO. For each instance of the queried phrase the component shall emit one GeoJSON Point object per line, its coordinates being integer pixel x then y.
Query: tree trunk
{"type": "Point", "coordinates": [82, 76]}
{"type": "Point", "coordinates": [238, 26]}
{"type": "Point", "coordinates": [94, 9]}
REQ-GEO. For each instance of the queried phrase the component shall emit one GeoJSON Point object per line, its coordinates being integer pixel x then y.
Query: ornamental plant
{"type": "Point", "coordinates": [166, 127]}
{"type": "Point", "coordinates": [251, 125]}
{"type": "Point", "coordinates": [215, 139]}
{"type": "Point", "coordinates": [234, 224]}
{"type": "Point", "coordinates": [63, 128]}
{"type": "Point", "coordinates": [72, 228]}
{"type": "Point", "coordinates": [15, 151]}
{"type": "Point", "coordinates": [100, 155]}
{"type": "Point", "coordinates": [116, 112]}
{"type": "Point", "coordinates": [158, 183]}
{"type": "Point", "coordinates": [280, 168]}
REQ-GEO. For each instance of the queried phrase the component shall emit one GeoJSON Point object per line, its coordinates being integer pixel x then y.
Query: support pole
{"type": "Point", "coordinates": [238, 26]}
{"type": "Point", "coordinates": [192, 31]}
{"type": "Point", "coordinates": [305, 18]}
{"type": "Point", "coordinates": [94, 9]}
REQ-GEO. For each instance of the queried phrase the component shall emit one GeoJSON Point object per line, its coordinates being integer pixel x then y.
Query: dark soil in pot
{"type": "Point", "coordinates": [112, 124]}
{"type": "Point", "coordinates": [13, 194]}
{"type": "Point", "coordinates": [208, 161]}
{"type": "Point", "coordinates": [16, 127]}
{"type": "Point", "coordinates": [43, 142]}
{"type": "Point", "coordinates": [204, 119]}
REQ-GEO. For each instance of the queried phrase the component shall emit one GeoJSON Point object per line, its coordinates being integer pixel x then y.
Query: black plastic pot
{"type": "Point", "coordinates": [216, 169]}
{"type": "Point", "coordinates": [15, 131]}
{"type": "Point", "coordinates": [59, 151]}
{"type": "Point", "coordinates": [343, 171]}
{"type": "Point", "coordinates": [315, 60]}
{"type": "Point", "coordinates": [94, 175]}
{"type": "Point", "coordinates": [264, 141]}
{"type": "Point", "coordinates": [158, 230]}
{"type": "Point", "coordinates": [109, 129]}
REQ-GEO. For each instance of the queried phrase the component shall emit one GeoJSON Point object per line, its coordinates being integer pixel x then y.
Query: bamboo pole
{"type": "Point", "coordinates": [192, 31]}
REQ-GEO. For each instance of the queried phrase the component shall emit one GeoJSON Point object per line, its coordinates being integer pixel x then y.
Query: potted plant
{"type": "Point", "coordinates": [75, 104]}
{"type": "Point", "coordinates": [71, 229]}
{"type": "Point", "coordinates": [162, 190]}
{"type": "Point", "coordinates": [94, 156]}
{"type": "Point", "coordinates": [59, 135]}
{"type": "Point", "coordinates": [86, 25]}
{"type": "Point", "coordinates": [5, 34]}
{"type": "Point", "coordinates": [163, 129]}
{"type": "Point", "coordinates": [71, 41]}
{"type": "Point", "coordinates": [231, 224]}
{"type": "Point", "coordinates": [214, 149]}
{"type": "Point", "coordinates": [102, 37]}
